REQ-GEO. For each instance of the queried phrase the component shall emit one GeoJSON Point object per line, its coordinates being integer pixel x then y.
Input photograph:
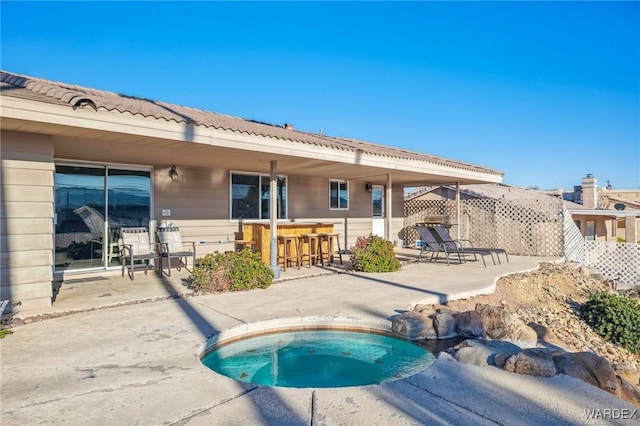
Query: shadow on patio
{"type": "Point", "coordinates": [436, 279]}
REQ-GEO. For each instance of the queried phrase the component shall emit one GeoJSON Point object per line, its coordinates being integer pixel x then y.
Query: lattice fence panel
{"type": "Point", "coordinates": [66, 239]}
{"type": "Point", "coordinates": [531, 227]}
{"type": "Point", "coordinates": [573, 239]}
{"type": "Point", "coordinates": [616, 260]}
{"type": "Point", "coordinates": [416, 210]}
{"type": "Point", "coordinates": [522, 227]}
{"type": "Point", "coordinates": [477, 222]}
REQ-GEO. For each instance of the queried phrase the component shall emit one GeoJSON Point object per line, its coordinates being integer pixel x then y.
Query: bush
{"type": "Point", "coordinates": [374, 254]}
{"type": "Point", "coordinates": [232, 271]}
{"type": "Point", "coordinates": [616, 318]}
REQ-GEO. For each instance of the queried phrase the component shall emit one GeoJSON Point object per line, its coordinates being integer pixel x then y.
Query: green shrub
{"type": "Point", "coordinates": [374, 254]}
{"type": "Point", "coordinates": [234, 271]}
{"type": "Point", "coordinates": [616, 318]}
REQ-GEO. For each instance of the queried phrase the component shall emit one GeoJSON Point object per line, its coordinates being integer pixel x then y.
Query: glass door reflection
{"type": "Point", "coordinates": [92, 204]}
{"type": "Point", "coordinates": [80, 210]}
{"type": "Point", "coordinates": [129, 205]}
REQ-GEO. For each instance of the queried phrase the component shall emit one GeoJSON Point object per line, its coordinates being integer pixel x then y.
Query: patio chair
{"type": "Point", "coordinates": [430, 244]}
{"type": "Point", "coordinates": [172, 247]}
{"type": "Point", "coordinates": [136, 247]}
{"type": "Point", "coordinates": [442, 234]}
{"type": "Point", "coordinates": [436, 246]}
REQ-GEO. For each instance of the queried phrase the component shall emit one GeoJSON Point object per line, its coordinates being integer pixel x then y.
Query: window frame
{"type": "Point", "coordinates": [339, 183]}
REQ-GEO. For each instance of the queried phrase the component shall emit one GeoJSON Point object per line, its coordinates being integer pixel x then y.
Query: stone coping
{"type": "Point", "coordinates": [308, 323]}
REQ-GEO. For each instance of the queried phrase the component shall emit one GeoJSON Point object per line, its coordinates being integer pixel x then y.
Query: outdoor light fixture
{"type": "Point", "coordinates": [173, 173]}
{"type": "Point", "coordinates": [368, 186]}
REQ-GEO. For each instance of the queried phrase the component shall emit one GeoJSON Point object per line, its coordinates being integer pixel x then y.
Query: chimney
{"type": "Point", "coordinates": [590, 192]}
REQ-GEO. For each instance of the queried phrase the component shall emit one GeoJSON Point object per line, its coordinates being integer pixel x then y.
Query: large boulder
{"type": "Point", "coordinates": [629, 392]}
{"type": "Point", "coordinates": [432, 309]}
{"type": "Point", "coordinates": [482, 352]}
{"type": "Point", "coordinates": [628, 373]}
{"type": "Point", "coordinates": [500, 324]}
{"type": "Point", "coordinates": [445, 325]}
{"type": "Point", "coordinates": [469, 324]}
{"type": "Point", "coordinates": [533, 362]}
{"type": "Point", "coordinates": [588, 367]}
{"type": "Point", "coordinates": [414, 325]}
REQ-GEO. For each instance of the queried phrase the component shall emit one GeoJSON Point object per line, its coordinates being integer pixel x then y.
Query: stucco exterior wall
{"type": "Point", "coordinates": [199, 205]}
{"type": "Point", "coordinates": [26, 218]}
{"type": "Point", "coordinates": [603, 226]}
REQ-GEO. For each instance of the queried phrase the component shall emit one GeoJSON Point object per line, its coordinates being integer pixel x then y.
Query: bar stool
{"type": "Point", "coordinates": [313, 251]}
{"type": "Point", "coordinates": [330, 237]}
{"type": "Point", "coordinates": [240, 243]}
{"type": "Point", "coordinates": [288, 242]}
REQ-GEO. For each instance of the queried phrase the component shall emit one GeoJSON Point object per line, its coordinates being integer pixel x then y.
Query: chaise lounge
{"type": "Point", "coordinates": [442, 235]}
{"type": "Point", "coordinates": [432, 244]}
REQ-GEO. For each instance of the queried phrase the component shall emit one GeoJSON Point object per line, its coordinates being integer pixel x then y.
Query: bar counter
{"type": "Point", "coordinates": [261, 233]}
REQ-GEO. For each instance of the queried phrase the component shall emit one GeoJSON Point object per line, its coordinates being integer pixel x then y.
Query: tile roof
{"type": "Point", "coordinates": [26, 87]}
{"type": "Point", "coordinates": [488, 190]}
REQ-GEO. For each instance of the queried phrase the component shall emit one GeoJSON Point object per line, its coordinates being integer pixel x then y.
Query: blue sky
{"type": "Point", "coordinates": [543, 91]}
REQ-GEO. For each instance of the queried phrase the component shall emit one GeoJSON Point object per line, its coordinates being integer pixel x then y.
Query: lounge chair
{"type": "Point", "coordinates": [172, 247]}
{"type": "Point", "coordinates": [435, 246]}
{"type": "Point", "coordinates": [136, 247]}
{"type": "Point", "coordinates": [442, 234]}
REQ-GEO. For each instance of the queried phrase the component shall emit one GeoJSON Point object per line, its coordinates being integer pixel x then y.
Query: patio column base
{"type": "Point", "coordinates": [276, 271]}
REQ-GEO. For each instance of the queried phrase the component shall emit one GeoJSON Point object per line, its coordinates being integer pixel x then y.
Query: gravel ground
{"type": "Point", "coordinates": [549, 297]}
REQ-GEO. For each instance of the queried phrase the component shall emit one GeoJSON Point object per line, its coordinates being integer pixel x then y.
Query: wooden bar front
{"type": "Point", "coordinates": [261, 234]}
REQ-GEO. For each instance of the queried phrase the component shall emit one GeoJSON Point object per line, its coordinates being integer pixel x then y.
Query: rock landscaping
{"type": "Point", "coordinates": [530, 325]}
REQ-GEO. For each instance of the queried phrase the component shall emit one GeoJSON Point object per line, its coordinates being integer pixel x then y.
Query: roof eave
{"type": "Point", "coordinates": [111, 121]}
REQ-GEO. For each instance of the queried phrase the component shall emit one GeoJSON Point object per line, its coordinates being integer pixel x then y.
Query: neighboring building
{"type": "Point", "coordinates": [475, 192]}
{"type": "Point", "coordinates": [593, 220]}
{"type": "Point", "coordinates": [79, 163]}
{"type": "Point", "coordinates": [604, 214]}
{"type": "Point", "coordinates": [535, 223]}
{"type": "Point", "coordinates": [521, 221]}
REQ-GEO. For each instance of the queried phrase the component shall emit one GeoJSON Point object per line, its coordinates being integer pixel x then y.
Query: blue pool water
{"type": "Point", "coordinates": [319, 358]}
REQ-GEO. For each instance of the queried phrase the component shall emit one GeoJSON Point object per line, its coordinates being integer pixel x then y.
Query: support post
{"type": "Point", "coordinates": [458, 210]}
{"type": "Point", "coordinates": [388, 198]}
{"type": "Point", "coordinates": [273, 216]}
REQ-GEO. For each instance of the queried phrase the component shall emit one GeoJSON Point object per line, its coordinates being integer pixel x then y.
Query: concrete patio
{"type": "Point", "coordinates": [117, 362]}
{"type": "Point", "coordinates": [426, 282]}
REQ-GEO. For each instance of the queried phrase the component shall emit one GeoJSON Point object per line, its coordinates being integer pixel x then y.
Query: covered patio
{"type": "Point", "coordinates": [424, 282]}
{"type": "Point", "coordinates": [144, 163]}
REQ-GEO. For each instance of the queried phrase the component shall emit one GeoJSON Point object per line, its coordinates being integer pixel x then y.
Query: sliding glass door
{"type": "Point", "coordinates": [92, 204]}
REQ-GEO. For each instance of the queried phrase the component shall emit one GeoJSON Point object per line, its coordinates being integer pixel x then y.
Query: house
{"type": "Point", "coordinates": [74, 156]}
{"type": "Point", "coordinates": [604, 214]}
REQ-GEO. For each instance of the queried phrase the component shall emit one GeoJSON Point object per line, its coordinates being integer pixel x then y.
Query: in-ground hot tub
{"type": "Point", "coordinates": [314, 352]}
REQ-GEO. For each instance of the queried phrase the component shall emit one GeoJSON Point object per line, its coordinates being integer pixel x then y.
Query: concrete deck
{"type": "Point", "coordinates": [117, 362]}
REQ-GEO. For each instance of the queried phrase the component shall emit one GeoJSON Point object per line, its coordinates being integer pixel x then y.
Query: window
{"type": "Point", "coordinates": [92, 203]}
{"type": "Point", "coordinates": [250, 196]}
{"type": "Point", "coordinates": [338, 195]}
{"type": "Point", "coordinates": [377, 201]}
{"type": "Point", "coordinates": [591, 230]}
